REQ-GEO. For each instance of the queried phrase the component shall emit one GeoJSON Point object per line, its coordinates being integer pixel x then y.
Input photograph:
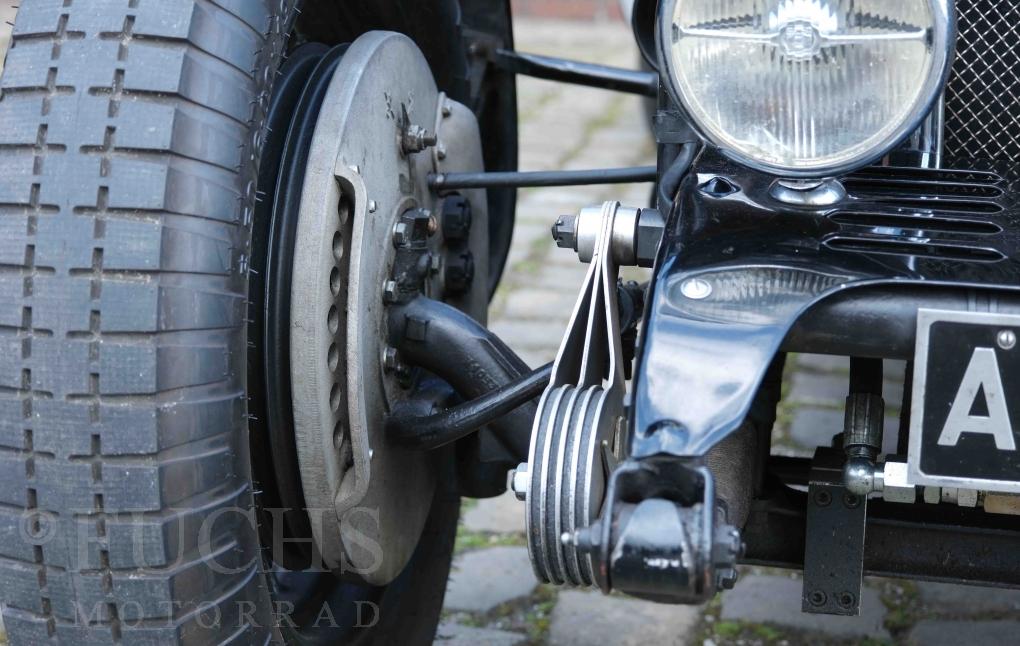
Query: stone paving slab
{"type": "Point", "coordinates": [937, 632]}
{"type": "Point", "coordinates": [484, 579]}
{"type": "Point", "coordinates": [451, 634]}
{"type": "Point", "coordinates": [830, 389]}
{"type": "Point", "coordinates": [500, 515]}
{"type": "Point", "coordinates": [582, 618]}
{"type": "Point", "coordinates": [777, 600]}
{"type": "Point", "coordinates": [970, 600]}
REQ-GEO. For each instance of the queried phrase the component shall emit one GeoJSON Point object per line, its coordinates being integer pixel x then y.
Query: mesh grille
{"type": "Point", "coordinates": [983, 96]}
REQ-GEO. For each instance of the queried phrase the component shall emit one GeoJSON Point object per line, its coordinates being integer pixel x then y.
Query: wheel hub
{"type": "Point", "coordinates": [383, 127]}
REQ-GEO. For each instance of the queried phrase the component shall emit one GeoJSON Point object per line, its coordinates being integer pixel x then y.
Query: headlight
{"type": "Point", "coordinates": [806, 88]}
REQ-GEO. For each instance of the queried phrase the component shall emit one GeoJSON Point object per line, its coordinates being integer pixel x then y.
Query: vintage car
{"type": "Point", "coordinates": [247, 249]}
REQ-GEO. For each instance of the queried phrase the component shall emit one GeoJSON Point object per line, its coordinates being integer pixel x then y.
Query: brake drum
{"type": "Point", "coordinates": [367, 498]}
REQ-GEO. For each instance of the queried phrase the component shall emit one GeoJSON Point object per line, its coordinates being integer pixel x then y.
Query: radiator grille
{"type": "Point", "coordinates": [983, 96]}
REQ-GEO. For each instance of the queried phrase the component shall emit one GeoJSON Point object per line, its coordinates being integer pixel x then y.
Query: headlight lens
{"type": "Point", "coordinates": [806, 88]}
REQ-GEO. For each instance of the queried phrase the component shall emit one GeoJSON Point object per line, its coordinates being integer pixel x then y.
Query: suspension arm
{"type": "Point", "coordinates": [459, 350]}
{"type": "Point", "coordinates": [441, 428]}
{"type": "Point", "coordinates": [450, 181]}
{"type": "Point", "coordinates": [578, 73]}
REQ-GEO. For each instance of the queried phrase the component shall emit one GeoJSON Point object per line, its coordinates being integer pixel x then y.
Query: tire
{"type": "Point", "coordinates": [130, 134]}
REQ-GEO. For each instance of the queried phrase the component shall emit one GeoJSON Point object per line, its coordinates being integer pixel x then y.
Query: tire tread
{"type": "Point", "coordinates": [131, 128]}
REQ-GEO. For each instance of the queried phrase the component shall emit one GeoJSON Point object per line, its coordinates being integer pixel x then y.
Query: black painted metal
{"type": "Point", "coordinates": [661, 511]}
{"type": "Point", "coordinates": [889, 315]}
{"type": "Point", "coordinates": [579, 73]}
{"type": "Point", "coordinates": [834, 548]}
{"type": "Point", "coordinates": [768, 262]}
{"type": "Point", "coordinates": [927, 542]}
{"type": "Point", "coordinates": [407, 426]}
{"type": "Point", "coordinates": [450, 181]}
{"type": "Point", "coordinates": [473, 360]}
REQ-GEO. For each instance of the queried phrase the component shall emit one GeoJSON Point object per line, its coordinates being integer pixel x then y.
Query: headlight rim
{"type": "Point", "coordinates": [944, 47]}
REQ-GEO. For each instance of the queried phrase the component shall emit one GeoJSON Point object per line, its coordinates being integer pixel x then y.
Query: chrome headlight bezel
{"type": "Point", "coordinates": [944, 34]}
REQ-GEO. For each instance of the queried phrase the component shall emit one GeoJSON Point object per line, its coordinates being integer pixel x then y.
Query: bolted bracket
{"type": "Point", "coordinates": [834, 545]}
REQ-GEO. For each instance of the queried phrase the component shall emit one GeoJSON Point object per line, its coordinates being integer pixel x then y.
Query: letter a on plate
{"type": "Point", "coordinates": [982, 373]}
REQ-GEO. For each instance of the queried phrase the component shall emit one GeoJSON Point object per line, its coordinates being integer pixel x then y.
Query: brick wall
{"type": "Point", "coordinates": [569, 9]}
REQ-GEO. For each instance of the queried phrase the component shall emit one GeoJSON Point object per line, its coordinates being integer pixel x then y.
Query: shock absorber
{"type": "Point", "coordinates": [651, 527]}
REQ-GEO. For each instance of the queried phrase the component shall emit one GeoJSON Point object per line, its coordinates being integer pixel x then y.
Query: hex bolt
{"type": "Point", "coordinates": [564, 232]}
{"type": "Point", "coordinates": [441, 150]}
{"type": "Point", "coordinates": [390, 291]}
{"type": "Point", "coordinates": [433, 225]}
{"type": "Point", "coordinates": [401, 234]}
{"type": "Point", "coordinates": [519, 482]}
{"type": "Point", "coordinates": [415, 139]}
{"type": "Point", "coordinates": [447, 108]}
{"type": "Point", "coordinates": [390, 360]}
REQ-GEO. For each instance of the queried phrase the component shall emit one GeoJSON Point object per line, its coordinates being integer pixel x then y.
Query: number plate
{"type": "Point", "coordinates": [965, 411]}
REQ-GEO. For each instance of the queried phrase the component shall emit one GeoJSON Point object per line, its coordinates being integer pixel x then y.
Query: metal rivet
{"type": "Point", "coordinates": [447, 108]}
{"type": "Point", "coordinates": [817, 598]}
{"type": "Point", "coordinates": [847, 599]}
{"type": "Point", "coordinates": [823, 498]}
{"type": "Point", "coordinates": [1007, 339]}
{"type": "Point", "coordinates": [696, 289]}
{"type": "Point", "coordinates": [441, 151]}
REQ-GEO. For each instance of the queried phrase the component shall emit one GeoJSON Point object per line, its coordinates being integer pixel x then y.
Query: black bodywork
{"type": "Point", "coordinates": [769, 263]}
{"type": "Point", "coordinates": [847, 280]}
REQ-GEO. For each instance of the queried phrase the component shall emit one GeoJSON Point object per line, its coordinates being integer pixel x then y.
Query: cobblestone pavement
{"type": "Point", "coordinates": [493, 597]}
